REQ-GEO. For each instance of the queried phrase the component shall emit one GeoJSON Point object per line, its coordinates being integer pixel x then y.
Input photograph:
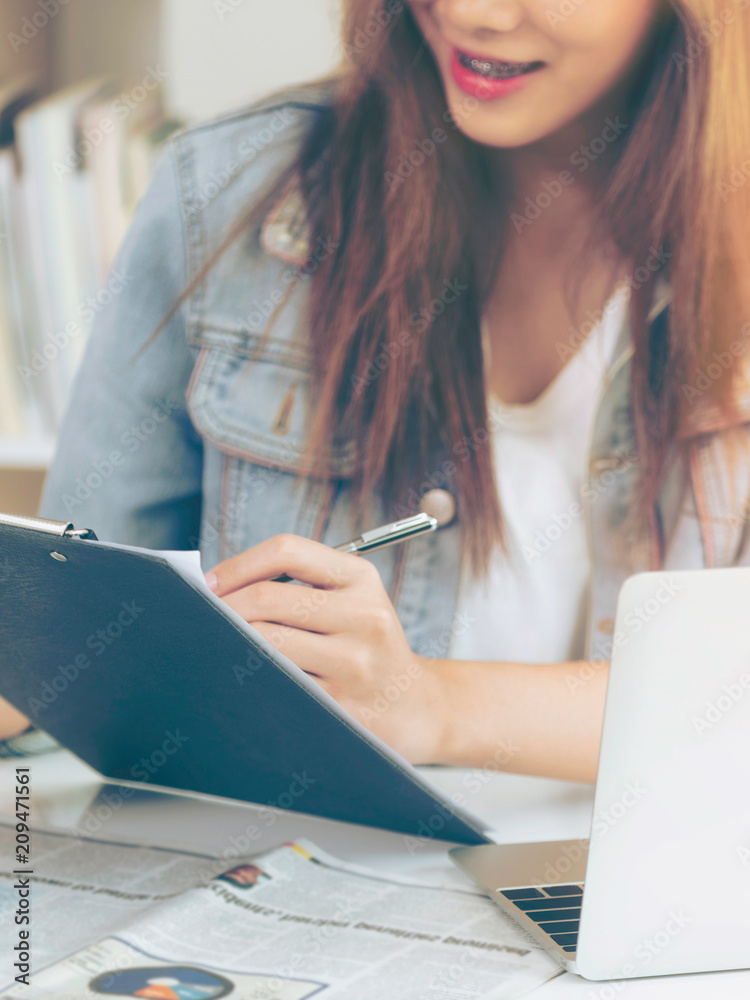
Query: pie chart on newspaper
{"type": "Point", "coordinates": [113, 968]}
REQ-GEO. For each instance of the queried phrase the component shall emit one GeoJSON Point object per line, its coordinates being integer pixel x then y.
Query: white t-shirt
{"type": "Point", "coordinates": [532, 606]}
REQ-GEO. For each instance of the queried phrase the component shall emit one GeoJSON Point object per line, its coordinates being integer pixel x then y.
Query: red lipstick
{"type": "Point", "coordinates": [488, 79]}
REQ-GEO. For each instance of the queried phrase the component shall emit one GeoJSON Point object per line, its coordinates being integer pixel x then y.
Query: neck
{"type": "Point", "coordinates": [557, 183]}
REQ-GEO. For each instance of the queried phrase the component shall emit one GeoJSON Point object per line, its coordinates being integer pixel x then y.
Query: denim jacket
{"type": "Point", "coordinates": [197, 441]}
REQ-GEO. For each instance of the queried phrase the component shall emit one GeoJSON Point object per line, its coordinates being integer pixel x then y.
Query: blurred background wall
{"type": "Point", "coordinates": [219, 58]}
{"type": "Point", "coordinates": [212, 56]}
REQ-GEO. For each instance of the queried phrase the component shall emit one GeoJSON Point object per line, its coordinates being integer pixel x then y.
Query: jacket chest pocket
{"type": "Point", "coordinates": [249, 399]}
{"type": "Point", "coordinates": [250, 402]}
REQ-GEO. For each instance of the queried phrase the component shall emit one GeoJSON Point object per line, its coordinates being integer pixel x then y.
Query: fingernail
{"type": "Point", "coordinates": [212, 581]}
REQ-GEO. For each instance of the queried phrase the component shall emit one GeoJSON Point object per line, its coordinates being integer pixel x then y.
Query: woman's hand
{"type": "Point", "coordinates": [12, 722]}
{"type": "Point", "coordinates": [342, 630]}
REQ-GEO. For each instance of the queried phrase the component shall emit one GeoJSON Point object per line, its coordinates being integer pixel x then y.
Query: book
{"type": "Point", "coordinates": [63, 268]}
{"type": "Point", "coordinates": [15, 419]}
{"type": "Point", "coordinates": [72, 169]}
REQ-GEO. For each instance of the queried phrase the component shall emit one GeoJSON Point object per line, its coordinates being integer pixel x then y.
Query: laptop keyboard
{"type": "Point", "coordinates": [555, 908]}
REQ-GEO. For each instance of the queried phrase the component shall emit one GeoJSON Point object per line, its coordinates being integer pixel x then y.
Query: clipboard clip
{"type": "Point", "coordinates": [60, 529]}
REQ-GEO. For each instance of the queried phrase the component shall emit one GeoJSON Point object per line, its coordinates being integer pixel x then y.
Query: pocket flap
{"type": "Point", "coordinates": [255, 404]}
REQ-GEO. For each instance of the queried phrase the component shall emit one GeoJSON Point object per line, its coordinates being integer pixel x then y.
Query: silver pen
{"type": "Point", "coordinates": [387, 534]}
{"type": "Point", "coordinates": [390, 534]}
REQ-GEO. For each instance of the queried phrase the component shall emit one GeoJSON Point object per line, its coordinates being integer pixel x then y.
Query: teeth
{"type": "Point", "coordinates": [494, 70]}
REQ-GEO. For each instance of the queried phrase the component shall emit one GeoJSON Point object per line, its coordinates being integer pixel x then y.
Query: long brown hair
{"type": "Point", "coordinates": [400, 240]}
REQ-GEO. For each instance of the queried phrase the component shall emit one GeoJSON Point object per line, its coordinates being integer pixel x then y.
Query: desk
{"type": "Point", "coordinates": [67, 794]}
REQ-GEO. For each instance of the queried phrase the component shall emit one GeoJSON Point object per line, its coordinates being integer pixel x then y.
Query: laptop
{"type": "Point", "coordinates": [662, 885]}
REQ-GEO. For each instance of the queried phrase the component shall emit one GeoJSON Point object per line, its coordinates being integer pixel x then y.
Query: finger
{"type": "Point", "coordinates": [309, 608]}
{"type": "Point", "coordinates": [312, 653]}
{"type": "Point", "coordinates": [301, 558]}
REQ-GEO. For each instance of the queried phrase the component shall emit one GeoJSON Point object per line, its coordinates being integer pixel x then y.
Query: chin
{"type": "Point", "coordinates": [492, 124]}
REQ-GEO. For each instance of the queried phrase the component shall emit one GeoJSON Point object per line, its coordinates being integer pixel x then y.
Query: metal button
{"type": "Point", "coordinates": [606, 625]}
{"type": "Point", "coordinates": [440, 505]}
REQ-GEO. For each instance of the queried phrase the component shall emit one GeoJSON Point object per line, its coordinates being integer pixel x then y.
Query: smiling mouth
{"type": "Point", "coordinates": [492, 69]}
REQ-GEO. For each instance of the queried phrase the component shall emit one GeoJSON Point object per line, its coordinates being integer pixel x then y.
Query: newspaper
{"type": "Point", "coordinates": [112, 919]}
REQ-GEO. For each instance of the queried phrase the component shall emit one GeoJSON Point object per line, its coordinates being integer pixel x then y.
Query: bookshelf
{"type": "Point", "coordinates": [212, 56]}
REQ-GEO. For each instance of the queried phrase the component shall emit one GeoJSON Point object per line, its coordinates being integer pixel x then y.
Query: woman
{"type": "Point", "coordinates": [497, 269]}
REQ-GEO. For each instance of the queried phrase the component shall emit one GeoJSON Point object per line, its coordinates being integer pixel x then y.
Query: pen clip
{"type": "Point", "coordinates": [398, 529]}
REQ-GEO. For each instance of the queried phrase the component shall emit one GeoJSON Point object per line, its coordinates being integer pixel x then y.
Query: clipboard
{"type": "Point", "coordinates": [142, 672]}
